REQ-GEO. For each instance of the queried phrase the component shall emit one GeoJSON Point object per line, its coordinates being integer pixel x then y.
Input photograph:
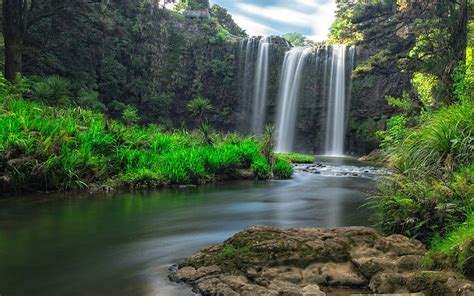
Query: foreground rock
{"type": "Point", "coordinates": [305, 261]}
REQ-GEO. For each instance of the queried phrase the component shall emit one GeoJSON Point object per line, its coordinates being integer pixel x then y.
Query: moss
{"type": "Point", "coordinates": [295, 157]}
{"type": "Point", "coordinates": [433, 283]}
{"type": "Point", "coordinates": [455, 251]}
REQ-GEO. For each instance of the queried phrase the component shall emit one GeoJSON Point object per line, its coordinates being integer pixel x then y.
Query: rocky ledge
{"type": "Point", "coordinates": [309, 261]}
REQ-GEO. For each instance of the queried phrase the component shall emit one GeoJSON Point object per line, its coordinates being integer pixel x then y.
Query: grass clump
{"type": "Point", "coordinates": [282, 169]}
{"type": "Point", "coordinates": [261, 169]}
{"type": "Point", "coordinates": [295, 157]}
{"type": "Point", "coordinates": [455, 250]}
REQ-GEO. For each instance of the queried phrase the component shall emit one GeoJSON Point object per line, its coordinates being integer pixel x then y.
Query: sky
{"type": "Point", "coordinates": [276, 17]}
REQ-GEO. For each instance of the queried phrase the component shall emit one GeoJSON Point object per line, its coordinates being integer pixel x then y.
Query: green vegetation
{"type": "Point", "coordinates": [192, 4]}
{"type": "Point", "coordinates": [433, 187]}
{"type": "Point", "coordinates": [261, 169]}
{"type": "Point", "coordinates": [295, 157]}
{"type": "Point", "coordinates": [200, 107]}
{"type": "Point", "coordinates": [297, 39]}
{"type": "Point", "coordinates": [107, 55]}
{"type": "Point", "coordinates": [456, 250]}
{"type": "Point", "coordinates": [282, 169]}
{"type": "Point", "coordinates": [430, 146]}
{"type": "Point", "coordinates": [51, 148]}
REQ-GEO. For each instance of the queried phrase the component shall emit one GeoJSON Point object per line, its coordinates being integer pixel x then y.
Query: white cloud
{"type": "Point", "coordinates": [277, 14]}
{"type": "Point", "coordinates": [308, 3]}
{"type": "Point", "coordinates": [323, 20]}
{"type": "Point", "coordinates": [310, 17]}
{"type": "Point", "coordinates": [252, 27]}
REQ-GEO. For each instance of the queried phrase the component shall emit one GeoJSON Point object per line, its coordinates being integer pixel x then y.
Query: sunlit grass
{"type": "Point", "coordinates": [295, 157]}
{"type": "Point", "coordinates": [455, 250]}
{"type": "Point", "coordinates": [44, 148]}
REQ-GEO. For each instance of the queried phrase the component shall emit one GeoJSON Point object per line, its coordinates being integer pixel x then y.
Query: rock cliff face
{"type": "Point", "coordinates": [311, 261]}
{"type": "Point", "coordinates": [377, 74]}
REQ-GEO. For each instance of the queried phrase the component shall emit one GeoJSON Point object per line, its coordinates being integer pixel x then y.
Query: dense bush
{"type": "Point", "coordinates": [53, 90]}
{"type": "Point", "coordinates": [433, 188]}
{"type": "Point", "coordinates": [261, 169]}
{"type": "Point", "coordinates": [442, 143]}
{"type": "Point", "coordinates": [44, 148]}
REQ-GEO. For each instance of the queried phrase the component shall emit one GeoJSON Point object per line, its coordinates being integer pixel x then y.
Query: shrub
{"type": "Point", "coordinates": [395, 132]}
{"type": "Point", "coordinates": [224, 160]}
{"type": "Point", "coordinates": [268, 142]}
{"type": "Point", "coordinates": [282, 169]}
{"type": "Point", "coordinates": [53, 90]}
{"type": "Point", "coordinates": [433, 185]}
{"type": "Point", "coordinates": [248, 151]}
{"type": "Point", "coordinates": [261, 169]}
{"type": "Point", "coordinates": [199, 108]}
{"type": "Point", "coordinates": [130, 115]}
{"type": "Point", "coordinates": [90, 99]}
{"type": "Point", "coordinates": [421, 208]}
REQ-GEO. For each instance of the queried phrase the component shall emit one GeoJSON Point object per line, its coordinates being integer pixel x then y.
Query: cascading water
{"type": "Point", "coordinates": [290, 84]}
{"type": "Point", "coordinates": [246, 57]}
{"type": "Point", "coordinates": [253, 68]}
{"type": "Point", "coordinates": [337, 100]}
{"type": "Point", "coordinates": [260, 87]}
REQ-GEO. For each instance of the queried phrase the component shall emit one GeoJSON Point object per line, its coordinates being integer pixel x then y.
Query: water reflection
{"type": "Point", "coordinates": [122, 244]}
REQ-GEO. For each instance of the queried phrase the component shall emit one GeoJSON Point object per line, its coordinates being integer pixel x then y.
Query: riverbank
{"type": "Point", "coordinates": [64, 149]}
{"type": "Point", "coordinates": [309, 261]}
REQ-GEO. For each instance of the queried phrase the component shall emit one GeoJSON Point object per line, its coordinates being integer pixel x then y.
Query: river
{"type": "Point", "coordinates": [124, 243]}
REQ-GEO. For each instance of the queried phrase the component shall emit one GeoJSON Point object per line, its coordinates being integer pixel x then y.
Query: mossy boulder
{"type": "Point", "coordinates": [307, 261]}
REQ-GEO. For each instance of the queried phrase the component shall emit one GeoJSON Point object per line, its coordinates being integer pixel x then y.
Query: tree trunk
{"type": "Point", "coordinates": [15, 16]}
{"type": "Point", "coordinates": [462, 31]}
{"type": "Point", "coordinates": [13, 58]}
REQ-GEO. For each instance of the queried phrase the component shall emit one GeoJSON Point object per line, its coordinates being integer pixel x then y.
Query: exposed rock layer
{"type": "Point", "coordinates": [305, 261]}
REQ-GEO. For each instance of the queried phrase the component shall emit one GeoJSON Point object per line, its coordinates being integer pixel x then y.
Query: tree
{"type": "Point", "coordinates": [199, 108]}
{"type": "Point", "coordinates": [15, 21]}
{"type": "Point", "coordinates": [19, 16]}
{"type": "Point", "coordinates": [297, 39]}
{"type": "Point", "coordinates": [226, 21]}
{"type": "Point", "coordinates": [441, 39]}
{"type": "Point", "coordinates": [192, 4]}
{"type": "Point", "coordinates": [130, 115]}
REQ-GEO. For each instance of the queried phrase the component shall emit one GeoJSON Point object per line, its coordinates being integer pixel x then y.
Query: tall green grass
{"type": "Point", "coordinates": [456, 250]}
{"type": "Point", "coordinates": [442, 143]}
{"type": "Point", "coordinates": [295, 157]}
{"type": "Point", "coordinates": [48, 148]}
{"type": "Point", "coordinates": [433, 187]}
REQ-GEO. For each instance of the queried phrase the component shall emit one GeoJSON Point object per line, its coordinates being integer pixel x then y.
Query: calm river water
{"type": "Point", "coordinates": [123, 243]}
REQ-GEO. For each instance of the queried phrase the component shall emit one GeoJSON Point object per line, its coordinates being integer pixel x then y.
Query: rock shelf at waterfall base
{"type": "Point", "coordinates": [311, 261]}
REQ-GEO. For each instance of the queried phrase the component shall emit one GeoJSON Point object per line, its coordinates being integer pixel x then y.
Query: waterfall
{"type": "Point", "coordinates": [247, 56]}
{"type": "Point", "coordinates": [337, 100]}
{"type": "Point", "coordinates": [253, 69]}
{"type": "Point", "coordinates": [260, 87]}
{"type": "Point", "coordinates": [288, 96]}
